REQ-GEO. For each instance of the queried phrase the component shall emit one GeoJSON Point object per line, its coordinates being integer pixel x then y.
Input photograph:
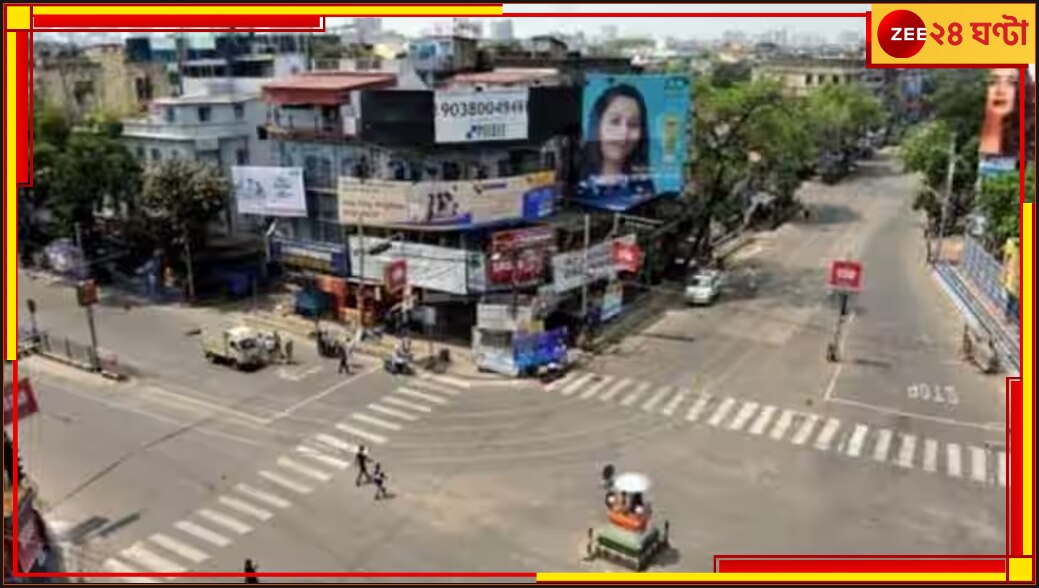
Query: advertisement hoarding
{"type": "Point", "coordinates": [635, 138]}
{"type": "Point", "coordinates": [324, 258]}
{"type": "Point", "coordinates": [518, 256]}
{"type": "Point", "coordinates": [374, 202]}
{"type": "Point", "coordinates": [440, 269]}
{"type": "Point", "coordinates": [568, 269]}
{"type": "Point", "coordinates": [269, 191]}
{"type": "Point", "coordinates": [487, 115]}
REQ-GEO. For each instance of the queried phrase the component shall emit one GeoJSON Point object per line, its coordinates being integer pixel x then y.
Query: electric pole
{"type": "Point", "coordinates": [949, 175]}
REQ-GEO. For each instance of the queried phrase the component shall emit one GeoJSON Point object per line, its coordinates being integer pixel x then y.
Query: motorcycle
{"type": "Point", "coordinates": [398, 365]}
{"type": "Point", "coordinates": [551, 372]}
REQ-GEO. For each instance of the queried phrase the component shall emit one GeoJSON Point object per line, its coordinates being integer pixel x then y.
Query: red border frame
{"type": "Point", "coordinates": [1014, 385]}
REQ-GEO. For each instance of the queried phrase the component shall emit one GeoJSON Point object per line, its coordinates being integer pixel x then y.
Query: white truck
{"type": "Point", "coordinates": [239, 347]}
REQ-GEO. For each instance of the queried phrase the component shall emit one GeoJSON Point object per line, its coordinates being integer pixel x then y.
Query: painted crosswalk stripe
{"type": "Point", "coordinates": [1001, 472]}
{"type": "Point", "coordinates": [654, 400]}
{"type": "Point", "coordinates": [245, 508]}
{"type": "Point", "coordinates": [299, 468]}
{"type": "Point", "coordinates": [225, 521]}
{"type": "Point", "coordinates": [977, 464]}
{"type": "Point", "coordinates": [150, 560]}
{"type": "Point", "coordinates": [905, 453]}
{"type": "Point", "coordinates": [805, 430]}
{"type": "Point", "coordinates": [316, 455]}
{"type": "Point", "coordinates": [635, 394]}
{"type": "Point", "coordinates": [336, 442]}
{"type": "Point", "coordinates": [406, 404]}
{"type": "Point", "coordinates": [271, 499]}
{"type": "Point", "coordinates": [364, 418]}
{"type": "Point", "coordinates": [420, 395]}
{"type": "Point", "coordinates": [884, 437]}
{"type": "Point", "coordinates": [673, 404]}
{"type": "Point", "coordinates": [178, 547]}
{"type": "Point", "coordinates": [115, 566]}
{"type": "Point", "coordinates": [200, 532]}
{"type": "Point", "coordinates": [930, 455]}
{"type": "Point", "coordinates": [743, 416]}
{"type": "Point", "coordinates": [592, 390]}
{"type": "Point", "coordinates": [762, 421]}
{"type": "Point", "coordinates": [786, 418]}
{"type": "Point", "coordinates": [615, 389]}
{"type": "Point", "coordinates": [696, 410]}
{"type": "Point", "coordinates": [377, 439]}
{"type": "Point", "coordinates": [286, 483]}
{"type": "Point", "coordinates": [435, 387]}
{"type": "Point", "coordinates": [721, 412]}
{"type": "Point", "coordinates": [576, 384]}
{"type": "Point", "coordinates": [557, 384]}
{"type": "Point", "coordinates": [443, 384]}
{"type": "Point", "coordinates": [825, 438]}
{"type": "Point", "coordinates": [400, 414]}
{"type": "Point", "coordinates": [955, 458]}
{"type": "Point", "coordinates": [858, 438]}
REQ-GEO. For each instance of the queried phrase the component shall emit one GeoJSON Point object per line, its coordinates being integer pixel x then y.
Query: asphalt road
{"type": "Point", "coordinates": [755, 443]}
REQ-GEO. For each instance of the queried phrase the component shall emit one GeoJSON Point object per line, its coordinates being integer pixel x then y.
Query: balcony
{"type": "Point", "coordinates": [150, 128]}
{"type": "Point", "coordinates": [329, 129]}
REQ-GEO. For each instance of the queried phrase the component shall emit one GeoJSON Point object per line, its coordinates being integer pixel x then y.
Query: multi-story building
{"type": "Point", "coordinates": [802, 76]}
{"type": "Point", "coordinates": [501, 29]}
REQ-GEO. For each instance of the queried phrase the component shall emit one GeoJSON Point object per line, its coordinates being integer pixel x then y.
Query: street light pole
{"type": "Point", "coordinates": [949, 175]}
{"type": "Point", "coordinates": [584, 266]}
{"type": "Point", "coordinates": [190, 264]}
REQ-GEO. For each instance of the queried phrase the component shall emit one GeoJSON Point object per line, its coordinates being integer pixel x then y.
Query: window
{"type": "Point", "coordinates": [836, 79]}
{"type": "Point", "coordinates": [140, 153]}
{"type": "Point", "coordinates": [808, 79]}
{"type": "Point", "coordinates": [204, 113]}
{"type": "Point", "coordinates": [156, 154]}
{"type": "Point", "coordinates": [242, 156]}
{"type": "Point", "coordinates": [171, 114]}
{"type": "Point", "coordinates": [239, 111]}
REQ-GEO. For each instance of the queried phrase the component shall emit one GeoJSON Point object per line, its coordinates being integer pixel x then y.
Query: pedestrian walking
{"type": "Point", "coordinates": [379, 477]}
{"type": "Point", "coordinates": [288, 352]}
{"type": "Point", "coordinates": [250, 568]}
{"type": "Point", "coordinates": [344, 360]}
{"type": "Point", "coordinates": [361, 460]}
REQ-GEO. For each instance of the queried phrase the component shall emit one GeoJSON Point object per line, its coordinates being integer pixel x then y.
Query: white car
{"type": "Point", "coordinates": [703, 287]}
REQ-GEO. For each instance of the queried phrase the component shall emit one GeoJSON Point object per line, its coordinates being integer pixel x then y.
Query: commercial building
{"type": "Point", "coordinates": [802, 76]}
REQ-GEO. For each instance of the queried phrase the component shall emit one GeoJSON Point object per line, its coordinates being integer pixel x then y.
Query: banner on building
{"type": "Point", "coordinates": [440, 269]}
{"type": "Point", "coordinates": [375, 202]}
{"type": "Point", "coordinates": [487, 115]}
{"type": "Point", "coordinates": [269, 191]}
{"type": "Point", "coordinates": [27, 404]}
{"type": "Point", "coordinates": [395, 275]}
{"type": "Point", "coordinates": [568, 269]}
{"type": "Point", "coordinates": [612, 301]}
{"type": "Point", "coordinates": [322, 258]}
{"type": "Point", "coordinates": [519, 256]}
{"type": "Point", "coordinates": [635, 138]}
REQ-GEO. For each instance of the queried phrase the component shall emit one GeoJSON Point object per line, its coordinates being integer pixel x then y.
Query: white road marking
{"type": "Point", "coordinates": [743, 416]}
{"type": "Point", "coordinates": [202, 533]}
{"type": "Point", "coordinates": [405, 404]}
{"type": "Point", "coordinates": [721, 412]}
{"type": "Point", "coordinates": [615, 390]}
{"type": "Point", "coordinates": [297, 467]}
{"type": "Point", "coordinates": [697, 408]}
{"type": "Point", "coordinates": [360, 416]}
{"type": "Point", "coordinates": [225, 521]}
{"type": "Point", "coordinates": [118, 567]}
{"type": "Point", "coordinates": [156, 563]}
{"type": "Point", "coordinates": [977, 464]}
{"type": "Point", "coordinates": [786, 418]}
{"type": "Point", "coordinates": [905, 453]}
{"type": "Point", "coordinates": [374, 438]}
{"type": "Point", "coordinates": [392, 412]}
{"type": "Point", "coordinates": [576, 384]}
{"type": "Point", "coordinates": [336, 442]}
{"type": "Point", "coordinates": [420, 395]}
{"type": "Point", "coordinates": [271, 499]}
{"type": "Point", "coordinates": [673, 404]}
{"type": "Point", "coordinates": [930, 455]}
{"type": "Point", "coordinates": [858, 438]}
{"type": "Point", "coordinates": [592, 390]}
{"type": "Point", "coordinates": [654, 400]}
{"type": "Point", "coordinates": [762, 421]}
{"type": "Point", "coordinates": [316, 455]}
{"type": "Point", "coordinates": [955, 459]}
{"type": "Point", "coordinates": [883, 445]}
{"type": "Point", "coordinates": [433, 386]}
{"type": "Point", "coordinates": [1001, 472]}
{"type": "Point", "coordinates": [182, 549]}
{"type": "Point", "coordinates": [634, 395]}
{"type": "Point", "coordinates": [825, 438]}
{"type": "Point", "coordinates": [997, 427]}
{"type": "Point", "coordinates": [285, 482]}
{"type": "Point", "coordinates": [557, 384]}
{"type": "Point", "coordinates": [805, 430]}
{"type": "Point", "coordinates": [450, 381]}
{"type": "Point", "coordinates": [245, 508]}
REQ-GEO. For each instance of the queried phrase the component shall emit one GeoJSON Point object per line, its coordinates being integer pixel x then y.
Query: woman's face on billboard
{"type": "Point", "coordinates": [1001, 91]}
{"type": "Point", "coordinates": [620, 129]}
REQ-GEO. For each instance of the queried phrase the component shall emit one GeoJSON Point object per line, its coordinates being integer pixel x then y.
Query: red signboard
{"type": "Point", "coordinates": [627, 257]}
{"type": "Point", "coordinates": [27, 404]}
{"type": "Point", "coordinates": [845, 275]}
{"type": "Point", "coordinates": [395, 275]}
{"type": "Point", "coordinates": [30, 540]}
{"type": "Point", "coordinates": [518, 256]}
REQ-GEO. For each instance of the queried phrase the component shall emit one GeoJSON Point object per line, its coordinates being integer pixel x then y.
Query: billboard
{"type": "Point", "coordinates": [999, 144]}
{"type": "Point", "coordinates": [269, 191]}
{"type": "Point", "coordinates": [574, 269]}
{"type": "Point", "coordinates": [488, 115]}
{"type": "Point", "coordinates": [519, 256]}
{"type": "Point", "coordinates": [635, 138]}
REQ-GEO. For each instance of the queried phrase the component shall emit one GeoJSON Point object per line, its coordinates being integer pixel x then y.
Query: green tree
{"type": "Point", "coordinates": [841, 114]}
{"type": "Point", "coordinates": [999, 201]}
{"type": "Point", "coordinates": [957, 96]}
{"type": "Point", "coordinates": [926, 152]}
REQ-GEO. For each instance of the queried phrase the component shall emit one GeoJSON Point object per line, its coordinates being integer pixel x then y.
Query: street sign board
{"type": "Point", "coordinates": [27, 404]}
{"type": "Point", "coordinates": [845, 275]}
{"type": "Point", "coordinates": [395, 275]}
{"type": "Point", "coordinates": [86, 293]}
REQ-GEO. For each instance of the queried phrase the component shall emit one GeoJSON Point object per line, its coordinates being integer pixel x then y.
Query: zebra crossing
{"type": "Point", "coordinates": [823, 433]}
{"type": "Point", "coordinates": [241, 509]}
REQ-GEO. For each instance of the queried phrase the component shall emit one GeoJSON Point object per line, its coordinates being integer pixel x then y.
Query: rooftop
{"type": "Point", "coordinates": [331, 81]}
{"type": "Point", "coordinates": [505, 76]}
{"type": "Point", "coordinates": [204, 99]}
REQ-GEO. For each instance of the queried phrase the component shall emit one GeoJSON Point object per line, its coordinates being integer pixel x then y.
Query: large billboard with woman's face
{"type": "Point", "coordinates": [635, 138]}
{"type": "Point", "coordinates": [998, 144]}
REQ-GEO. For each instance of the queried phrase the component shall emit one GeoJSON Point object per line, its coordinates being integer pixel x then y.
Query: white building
{"type": "Point", "coordinates": [501, 29]}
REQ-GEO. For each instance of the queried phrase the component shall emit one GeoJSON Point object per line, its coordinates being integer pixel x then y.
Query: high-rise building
{"type": "Point", "coordinates": [501, 29]}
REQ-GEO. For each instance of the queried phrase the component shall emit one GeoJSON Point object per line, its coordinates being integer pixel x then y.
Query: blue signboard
{"type": "Point", "coordinates": [537, 349]}
{"type": "Point", "coordinates": [635, 139]}
{"type": "Point", "coordinates": [539, 202]}
{"type": "Point", "coordinates": [324, 258]}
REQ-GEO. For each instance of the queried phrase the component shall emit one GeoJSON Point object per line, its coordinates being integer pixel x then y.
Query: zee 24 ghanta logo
{"type": "Point", "coordinates": [902, 33]}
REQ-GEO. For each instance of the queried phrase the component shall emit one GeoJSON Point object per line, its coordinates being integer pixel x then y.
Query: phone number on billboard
{"type": "Point", "coordinates": [473, 108]}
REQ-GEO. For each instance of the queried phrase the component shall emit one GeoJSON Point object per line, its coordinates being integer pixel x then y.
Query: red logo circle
{"type": "Point", "coordinates": [898, 33]}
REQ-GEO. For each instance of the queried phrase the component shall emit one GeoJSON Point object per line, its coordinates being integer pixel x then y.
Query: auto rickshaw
{"type": "Point", "coordinates": [630, 537]}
